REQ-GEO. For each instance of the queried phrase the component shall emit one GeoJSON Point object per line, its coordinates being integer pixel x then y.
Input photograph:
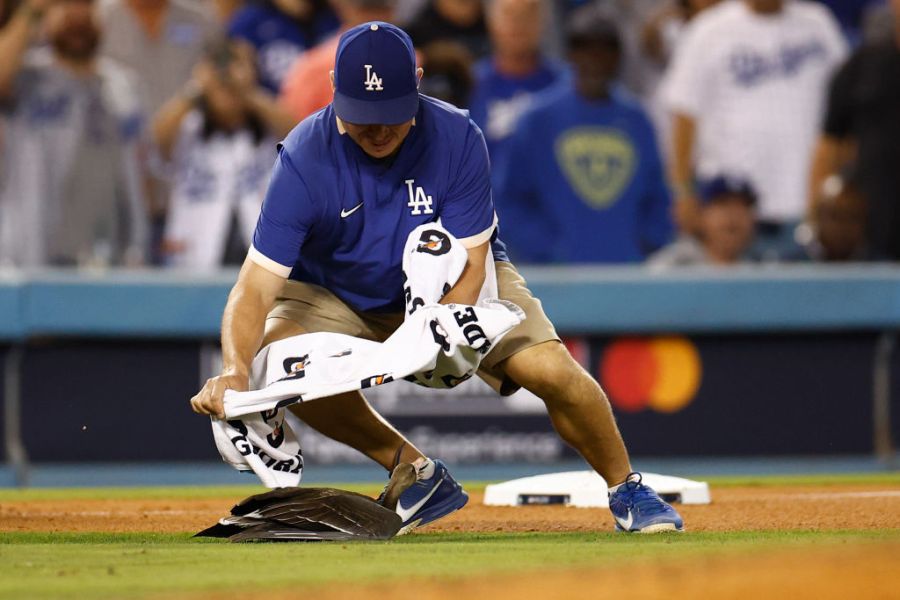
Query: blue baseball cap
{"type": "Point", "coordinates": [375, 76]}
{"type": "Point", "coordinates": [724, 185]}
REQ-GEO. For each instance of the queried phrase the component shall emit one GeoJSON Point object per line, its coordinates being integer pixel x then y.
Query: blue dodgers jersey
{"type": "Point", "coordinates": [339, 219]}
{"type": "Point", "coordinates": [583, 182]}
{"type": "Point", "coordinates": [498, 101]}
{"type": "Point", "coordinates": [277, 39]}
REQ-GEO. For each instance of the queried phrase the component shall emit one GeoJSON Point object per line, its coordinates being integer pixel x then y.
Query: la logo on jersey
{"type": "Point", "coordinates": [373, 81]}
{"type": "Point", "coordinates": [418, 201]}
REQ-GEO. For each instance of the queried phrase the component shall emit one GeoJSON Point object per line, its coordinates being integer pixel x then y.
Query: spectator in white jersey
{"type": "Point", "coordinates": [746, 90]}
{"type": "Point", "coordinates": [70, 190]}
{"type": "Point", "coordinates": [217, 140]}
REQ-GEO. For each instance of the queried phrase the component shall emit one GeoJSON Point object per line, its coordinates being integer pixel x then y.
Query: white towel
{"type": "Point", "coordinates": [436, 346]}
{"type": "Point", "coordinates": [262, 443]}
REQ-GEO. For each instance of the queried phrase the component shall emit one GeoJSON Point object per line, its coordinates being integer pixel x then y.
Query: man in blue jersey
{"type": "Point", "coordinates": [582, 172]}
{"type": "Point", "coordinates": [507, 81]}
{"type": "Point", "coordinates": [349, 185]}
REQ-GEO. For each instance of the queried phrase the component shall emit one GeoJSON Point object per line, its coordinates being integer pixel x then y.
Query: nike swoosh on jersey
{"type": "Point", "coordinates": [346, 213]}
{"type": "Point", "coordinates": [406, 513]}
{"type": "Point", "coordinates": [626, 523]}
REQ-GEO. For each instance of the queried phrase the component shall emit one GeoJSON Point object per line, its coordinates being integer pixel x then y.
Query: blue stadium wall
{"type": "Point", "coordinates": [95, 390]}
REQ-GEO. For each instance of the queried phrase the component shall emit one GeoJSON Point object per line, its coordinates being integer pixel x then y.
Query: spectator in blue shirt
{"type": "Point", "coordinates": [582, 180]}
{"type": "Point", "coordinates": [280, 31]}
{"type": "Point", "coordinates": [506, 81]}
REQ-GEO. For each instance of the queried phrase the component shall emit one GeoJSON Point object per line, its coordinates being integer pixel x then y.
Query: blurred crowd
{"type": "Point", "coordinates": [672, 132]}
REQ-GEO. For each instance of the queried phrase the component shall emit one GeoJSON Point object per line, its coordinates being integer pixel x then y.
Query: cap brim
{"type": "Point", "coordinates": [376, 112]}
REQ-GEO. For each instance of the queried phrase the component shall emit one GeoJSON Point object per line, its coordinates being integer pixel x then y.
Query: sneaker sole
{"type": "Point", "coordinates": [454, 505]}
{"type": "Point", "coordinates": [658, 528]}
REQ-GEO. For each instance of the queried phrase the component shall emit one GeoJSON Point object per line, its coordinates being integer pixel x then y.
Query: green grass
{"type": "Point", "coordinates": [136, 565]}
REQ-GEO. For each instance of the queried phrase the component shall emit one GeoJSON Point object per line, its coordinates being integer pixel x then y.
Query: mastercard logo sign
{"type": "Point", "coordinates": [661, 373]}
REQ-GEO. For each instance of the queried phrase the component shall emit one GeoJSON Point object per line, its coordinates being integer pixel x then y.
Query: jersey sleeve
{"type": "Point", "coordinates": [468, 210]}
{"type": "Point", "coordinates": [286, 218]}
{"type": "Point", "coordinates": [687, 84]}
{"type": "Point", "coordinates": [835, 42]}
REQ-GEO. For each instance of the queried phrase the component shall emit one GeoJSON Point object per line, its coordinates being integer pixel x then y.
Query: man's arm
{"type": "Point", "coordinates": [686, 207]}
{"type": "Point", "coordinates": [167, 122]}
{"type": "Point", "coordinates": [242, 72]}
{"type": "Point", "coordinates": [688, 90]}
{"type": "Point", "coordinates": [831, 154]}
{"type": "Point", "coordinates": [14, 40]}
{"type": "Point", "coordinates": [243, 325]}
{"type": "Point", "coordinates": [469, 285]}
{"type": "Point", "coordinates": [836, 146]}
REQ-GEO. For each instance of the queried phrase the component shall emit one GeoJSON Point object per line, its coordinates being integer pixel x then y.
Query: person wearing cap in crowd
{"type": "Point", "coordinates": [349, 185]}
{"type": "Point", "coordinates": [726, 227]}
{"type": "Point", "coordinates": [581, 179]}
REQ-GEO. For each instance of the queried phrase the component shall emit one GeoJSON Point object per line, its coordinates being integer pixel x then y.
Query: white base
{"type": "Point", "coordinates": [586, 489]}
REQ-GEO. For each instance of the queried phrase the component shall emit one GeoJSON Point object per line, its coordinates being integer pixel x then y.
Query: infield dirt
{"type": "Point", "coordinates": [750, 508]}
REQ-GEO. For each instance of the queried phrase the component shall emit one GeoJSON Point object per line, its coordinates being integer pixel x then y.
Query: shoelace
{"type": "Point", "coordinates": [642, 497]}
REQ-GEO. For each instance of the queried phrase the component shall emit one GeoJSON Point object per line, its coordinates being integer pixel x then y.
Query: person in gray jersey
{"type": "Point", "coordinates": [70, 189]}
{"type": "Point", "coordinates": [160, 40]}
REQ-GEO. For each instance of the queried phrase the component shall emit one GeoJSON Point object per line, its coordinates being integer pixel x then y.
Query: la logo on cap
{"type": "Point", "coordinates": [373, 81]}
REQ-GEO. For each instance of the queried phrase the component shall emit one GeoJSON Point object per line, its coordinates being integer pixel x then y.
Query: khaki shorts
{"type": "Point", "coordinates": [316, 309]}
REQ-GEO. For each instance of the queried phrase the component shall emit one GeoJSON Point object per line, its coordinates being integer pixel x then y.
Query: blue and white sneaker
{"type": "Point", "coordinates": [637, 508]}
{"type": "Point", "coordinates": [430, 499]}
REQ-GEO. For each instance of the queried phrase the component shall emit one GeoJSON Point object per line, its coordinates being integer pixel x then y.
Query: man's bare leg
{"type": "Point", "coordinates": [578, 407]}
{"type": "Point", "coordinates": [348, 418]}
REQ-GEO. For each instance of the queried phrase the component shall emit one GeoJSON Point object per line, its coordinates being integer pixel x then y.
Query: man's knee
{"type": "Point", "coordinates": [549, 371]}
